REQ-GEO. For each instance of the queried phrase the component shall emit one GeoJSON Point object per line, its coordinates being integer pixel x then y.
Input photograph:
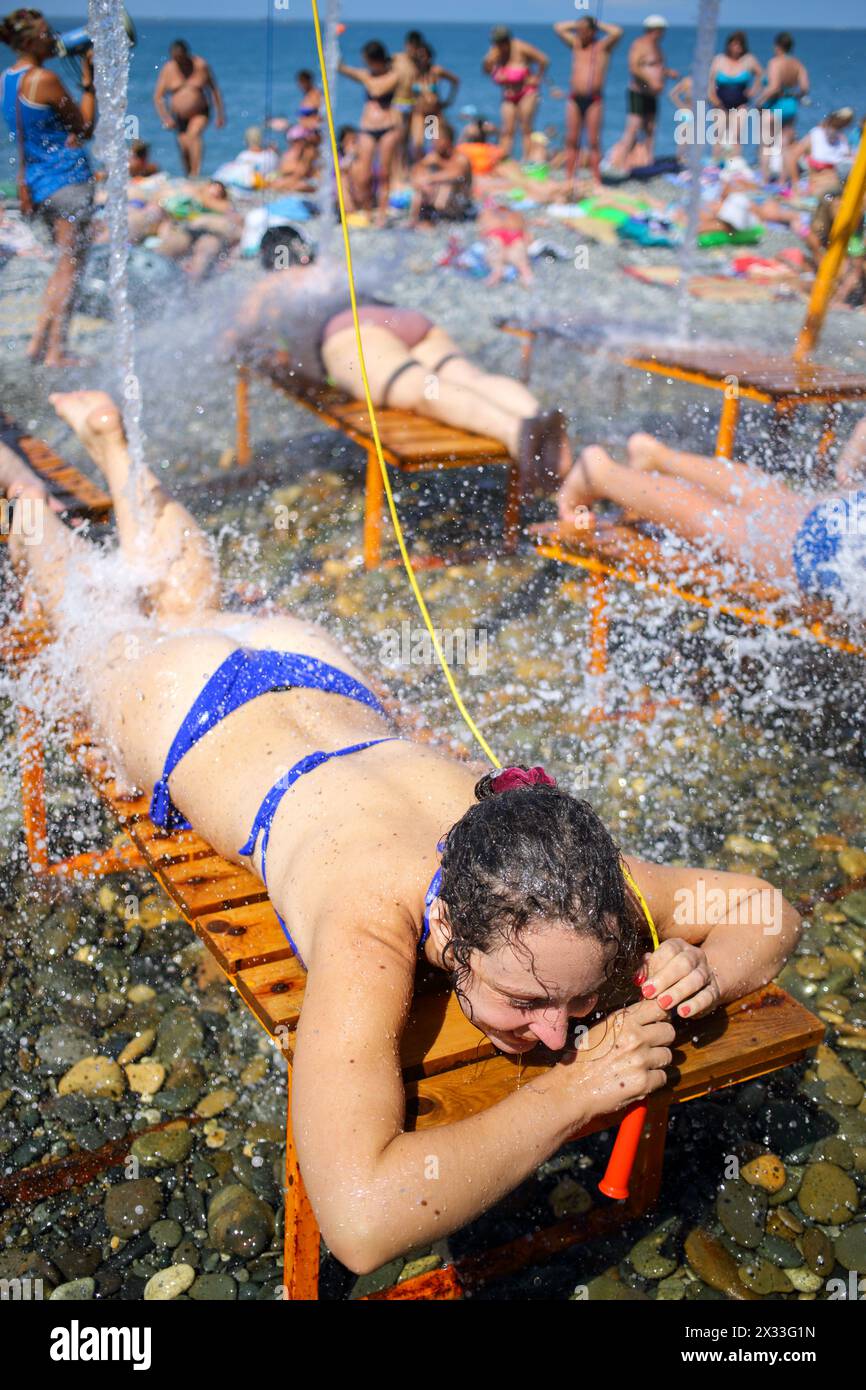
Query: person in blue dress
{"type": "Point", "coordinates": [55, 178]}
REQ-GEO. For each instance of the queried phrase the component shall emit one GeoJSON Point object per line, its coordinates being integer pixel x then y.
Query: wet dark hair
{"type": "Point", "coordinates": [737, 37]}
{"type": "Point", "coordinates": [590, 20]}
{"type": "Point", "coordinates": [19, 27]}
{"type": "Point", "coordinates": [304, 75]}
{"type": "Point", "coordinates": [375, 52]}
{"type": "Point", "coordinates": [414, 36]}
{"type": "Point", "coordinates": [183, 46]}
{"type": "Point", "coordinates": [536, 854]}
{"type": "Point", "coordinates": [285, 246]}
{"type": "Point", "coordinates": [784, 41]}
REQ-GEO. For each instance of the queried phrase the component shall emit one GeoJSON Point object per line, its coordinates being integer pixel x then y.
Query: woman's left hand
{"type": "Point", "coordinates": [679, 976]}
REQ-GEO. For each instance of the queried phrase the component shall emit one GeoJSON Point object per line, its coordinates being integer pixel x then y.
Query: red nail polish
{"type": "Point", "coordinates": [685, 1010]}
{"type": "Point", "coordinates": [665, 1001]}
{"type": "Point", "coordinates": [648, 991]}
{"type": "Point", "coordinates": [640, 976]}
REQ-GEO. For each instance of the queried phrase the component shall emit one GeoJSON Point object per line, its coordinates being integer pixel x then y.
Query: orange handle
{"type": "Point", "coordinates": [618, 1173]}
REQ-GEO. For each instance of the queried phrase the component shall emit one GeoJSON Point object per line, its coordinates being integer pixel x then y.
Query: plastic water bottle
{"type": "Point", "coordinates": [73, 42]}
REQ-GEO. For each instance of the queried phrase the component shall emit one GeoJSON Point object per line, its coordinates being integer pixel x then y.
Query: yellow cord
{"type": "Point", "coordinates": [395, 520]}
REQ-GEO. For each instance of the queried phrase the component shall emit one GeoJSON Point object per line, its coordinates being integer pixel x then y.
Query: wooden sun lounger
{"type": "Point", "coordinates": [412, 443]}
{"type": "Point", "coordinates": [785, 384]}
{"type": "Point", "coordinates": [451, 1070]}
{"type": "Point", "coordinates": [620, 553]}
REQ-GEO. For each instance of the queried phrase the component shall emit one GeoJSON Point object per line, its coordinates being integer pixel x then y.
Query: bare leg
{"type": "Point", "coordinates": [594, 118]}
{"type": "Point", "coordinates": [150, 524]}
{"type": "Point", "coordinates": [195, 143]}
{"type": "Point", "coordinates": [762, 539]}
{"type": "Point", "coordinates": [455, 404]}
{"type": "Point", "coordinates": [732, 482]}
{"type": "Point", "coordinates": [49, 338]}
{"type": "Point", "coordinates": [507, 127]}
{"type": "Point", "coordinates": [573, 129]}
{"type": "Point", "coordinates": [502, 391]}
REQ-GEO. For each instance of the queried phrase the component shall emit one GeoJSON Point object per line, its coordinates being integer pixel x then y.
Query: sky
{"type": "Point", "coordinates": [790, 14]}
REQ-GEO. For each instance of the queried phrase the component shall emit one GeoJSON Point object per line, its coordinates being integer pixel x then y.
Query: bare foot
{"type": "Point", "coordinates": [580, 489]}
{"type": "Point", "coordinates": [646, 453]}
{"type": "Point", "coordinates": [94, 418]}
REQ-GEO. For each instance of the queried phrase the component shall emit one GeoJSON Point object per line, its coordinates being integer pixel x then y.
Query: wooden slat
{"type": "Point", "coordinates": [408, 437]}
{"type": "Point", "coordinates": [274, 992]}
{"type": "Point", "coordinates": [774, 376]}
{"type": "Point", "coordinates": [65, 482]}
{"type": "Point", "coordinates": [244, 937]}
{"type": "Point", "coordinates": [764, 1031]}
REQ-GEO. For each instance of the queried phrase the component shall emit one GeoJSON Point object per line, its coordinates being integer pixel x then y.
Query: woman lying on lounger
{"type": "Point", "coordinates": [381, 854]}
{"type": "Point", "coordinates": [740, 513]}
{"type": "Point", "coordinates": [302, 315]}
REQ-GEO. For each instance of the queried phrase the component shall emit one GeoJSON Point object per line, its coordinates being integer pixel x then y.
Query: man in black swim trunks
{"type": "Point", "coordinates": [591, 44]}
{"type": "Point", "coordinates": [646, 82]}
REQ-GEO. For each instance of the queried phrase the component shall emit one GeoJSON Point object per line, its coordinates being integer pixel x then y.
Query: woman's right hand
{"type": "Point", "coordinates": [619, 1060]}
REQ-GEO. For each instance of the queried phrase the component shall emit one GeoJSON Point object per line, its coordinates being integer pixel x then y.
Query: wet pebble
{"type": "Point", "coordinates": [137, 1046]}
{"type": "Point", "coordinates": [569, 1198]}
{"type": "Point", "coordinates": [133, 1205]}
{"type": "Point", "coordinates": [827, 1194]}
{"type": "Point", "coordinates": [180, 1034]}
{"type": "Point", "coordinates": [742, 1211]}
{"type": "Point", "coordinates": [763, 1278]}
{"type": "Point", "coordinates": [162, 1148]}
{"type": "Point", "coordinates": [766, 1171]}
{"type": "Point", "coordinates": [216, 1102]}
{"type": "Point", "coordinates": [714, 1264]}
{"type": "Point", "coordinates": [168, 1283]}
{"type": "Point", "coordinates": [850, 1247]}
{"type": "Point", "coordinates": [93, 1076]}
{"type": "Point", "coordinates": [214, 1288]}
{"type": "Point", "coordinates": [76, 1290]}
{"type": "Point", "coordinates": [239, 1222]}
{"type": "Point", "coordinates": [145, 1078]}
{"type": "Point", "coordinates": [647, 1257]}
{"type": "Point", "coordinates": [61, 1046]}
{"type": "Point", "coordinates": [166, 1235]}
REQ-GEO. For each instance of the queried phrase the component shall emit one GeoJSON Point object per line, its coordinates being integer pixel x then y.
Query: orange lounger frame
{"type": "Point", "coordinates": [621, 554]}
{"type": "Point", "coordinates": [410, 442]}
{"type": "Point", "coordinates": [785, 384]}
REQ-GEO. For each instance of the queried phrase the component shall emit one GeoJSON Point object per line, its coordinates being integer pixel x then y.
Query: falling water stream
{"type": "Point", "coordinates": [111, 72]}
{"type": "Point", "coordinates": [708, 18]}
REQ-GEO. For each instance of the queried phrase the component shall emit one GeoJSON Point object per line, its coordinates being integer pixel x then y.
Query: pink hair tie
{"type": "Point", "coordinates": [511, 778]}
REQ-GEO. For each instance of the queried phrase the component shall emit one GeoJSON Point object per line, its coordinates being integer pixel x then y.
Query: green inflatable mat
{"type": "Point", "coordinates": [749, 236]}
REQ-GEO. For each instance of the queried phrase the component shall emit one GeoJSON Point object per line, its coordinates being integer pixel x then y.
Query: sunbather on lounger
{"type": "Point", "coordinates": [412, 364]}
{"type": "Point", "coordinates": [739, 513]}
{"type": "Point", "coordinates": [382, 855]}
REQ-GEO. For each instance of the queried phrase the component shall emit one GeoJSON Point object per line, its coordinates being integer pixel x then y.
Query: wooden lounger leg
{"type": "Point", "coordinates": [33, 812]}
{"type": "Point", "coordinates": [728, 427]}
{"type": "Point", "coordinates": [242, 404]}
{"type": "Point", "coordinates": [511, 518]}
{"type": "Point", "coordinates": [301, 1240]}
{"type": "Point", "coordinates": [825, 444]}
{"type": "Point", "coordinates": [373, 502]}
{"type": "Point", "coordinates": [92, 863]}
{"type": "Point", "coordinates": [598, 625]}
{"type": "Point", "coordinates": [526, 357]}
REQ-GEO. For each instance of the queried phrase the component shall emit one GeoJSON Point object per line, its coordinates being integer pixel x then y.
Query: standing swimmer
{"type": "Point", "coordinates": [55, 180]}
{"type": "Point", "coordinates": [188, 83]}
{"type": "Point", "coordinates": [584, 106]}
